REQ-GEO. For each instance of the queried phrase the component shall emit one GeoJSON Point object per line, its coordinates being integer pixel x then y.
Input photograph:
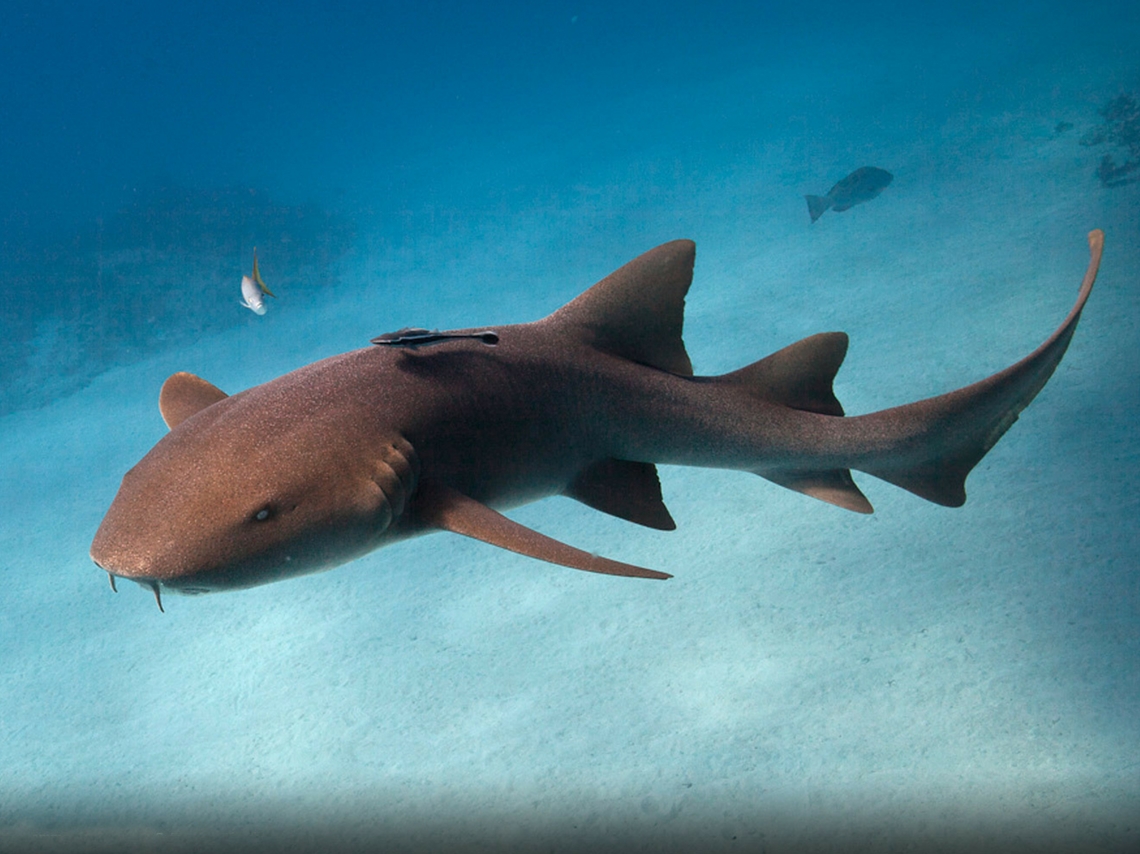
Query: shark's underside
{"type": "Point", "coordinates": [340, 457]}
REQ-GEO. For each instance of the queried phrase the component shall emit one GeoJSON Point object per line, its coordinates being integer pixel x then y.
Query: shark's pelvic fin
{"type": "Point", "coordinates": [637, 311]}
{"type": "Point", "coordinates": [442, 507]}
{"type": "Point", "coordinates": [942, 438]}
{"type": "Point", "coordinates": [628, 490]}
{"type": "Point", "coordinates": [184, 394]}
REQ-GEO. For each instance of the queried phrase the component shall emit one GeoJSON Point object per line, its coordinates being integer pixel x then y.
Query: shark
{"type": "Point", "coordinates": [331, 461]}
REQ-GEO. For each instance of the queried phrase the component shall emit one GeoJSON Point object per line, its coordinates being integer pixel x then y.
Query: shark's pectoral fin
{"type": "Point", "coordinates": [625, 489]}
{"type": "Point", "coordinates": [835, 487]}
{"type": "Point", "coordinates": [442, 507]}
{"type": "Point", "coordinates": [184, 394]}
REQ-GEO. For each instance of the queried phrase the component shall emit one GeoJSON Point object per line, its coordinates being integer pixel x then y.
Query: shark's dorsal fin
{"type": "Point", "coordinates": [800, 375]}
{"type": "Point", "coordinates": [440, 506]}
{"type": "Point", "coordinates": [184, 394]}
{"type": "Point", "coordinates": [637, 311]}
{"type": "Point", "coordinates": [625, 489]}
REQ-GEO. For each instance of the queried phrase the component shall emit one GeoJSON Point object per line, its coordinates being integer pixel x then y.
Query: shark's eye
{"type": "Point", "coordinates": [263, 514]}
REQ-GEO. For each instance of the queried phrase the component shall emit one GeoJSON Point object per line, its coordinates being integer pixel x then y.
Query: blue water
{"type": "Point", "coordinates": [810, 679]}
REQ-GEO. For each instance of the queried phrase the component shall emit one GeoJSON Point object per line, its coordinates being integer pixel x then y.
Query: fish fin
{"type": "Point", "coordinates": [637, 311]}
{"type": "Point", "coordinates": [257, 277]}
{"type": "Point", "coordinates": [835, 487]}
{"type": "Point", "coordinates": [442, 507]}
{"type": "Point", "coordinates": [628, 490]}
{"type": "Point", "coordinates": [184, 394]}
{"type": "Point", "coordinates": [817, 205]}
{"type": "Point", "coordinates": [944, 437]}
{"type": "Point", "coordinates": [798, 376]}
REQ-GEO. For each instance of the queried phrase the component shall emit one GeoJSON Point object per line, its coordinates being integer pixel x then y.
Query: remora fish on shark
{"type": "Point", "coordinates": [325, 464]}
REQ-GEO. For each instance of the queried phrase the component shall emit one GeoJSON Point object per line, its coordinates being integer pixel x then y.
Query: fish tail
{"type": "Point", "coordinates": [817, 205]}
{"type": "Point", "coordinates": [929, 447]}
{"type": "Point", "coordinates": [257, 277]}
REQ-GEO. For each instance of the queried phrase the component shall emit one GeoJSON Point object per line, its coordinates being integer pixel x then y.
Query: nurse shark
{"type": "Point", "coordinates": [353, 452]}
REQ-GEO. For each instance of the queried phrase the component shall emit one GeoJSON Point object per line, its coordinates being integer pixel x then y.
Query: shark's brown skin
{"type": "Point", "coordinates": [333, 460]}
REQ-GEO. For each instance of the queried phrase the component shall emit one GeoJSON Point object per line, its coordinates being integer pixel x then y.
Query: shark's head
{"type": "Point", "coordinates": [249, 489]}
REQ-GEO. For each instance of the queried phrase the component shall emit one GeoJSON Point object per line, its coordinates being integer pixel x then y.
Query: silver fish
{"type": "Point", "coordinates": [252, 288]}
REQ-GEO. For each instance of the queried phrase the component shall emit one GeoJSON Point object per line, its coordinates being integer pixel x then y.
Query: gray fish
{"type": "Point", "coordinates": [862, 185]}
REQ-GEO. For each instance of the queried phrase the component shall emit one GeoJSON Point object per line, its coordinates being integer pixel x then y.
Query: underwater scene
{"type": "Point", "coordinates": [513, 383]}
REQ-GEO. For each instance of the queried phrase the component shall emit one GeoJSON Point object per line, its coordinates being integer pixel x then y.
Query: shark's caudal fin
{"type": "Point", "coordinates": [938, 441]}
{"type": "Point", "coordinates": [637, 311]}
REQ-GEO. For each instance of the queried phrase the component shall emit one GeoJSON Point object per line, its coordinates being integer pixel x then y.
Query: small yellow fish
{"type": "Point", "coordinates": [252, 287]}
{"type": "Point", "coordinates": [257, 277]}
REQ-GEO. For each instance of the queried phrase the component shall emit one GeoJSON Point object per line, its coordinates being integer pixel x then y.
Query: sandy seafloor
{"type": "Point", "coordinates": [810, 679]}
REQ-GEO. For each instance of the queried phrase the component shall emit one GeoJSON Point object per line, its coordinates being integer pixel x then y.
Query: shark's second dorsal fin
{"type": "Point", "coordinates": [798, 376]}
{"type": "Point", "coordinates": [625, 489]}
{"type": "Point", "coordinates": [637, 311]}
{"type": "Point", "coordinates": [184, 394]}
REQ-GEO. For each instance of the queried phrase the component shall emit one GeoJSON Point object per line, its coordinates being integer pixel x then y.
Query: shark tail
{"type": "Point", "coordinates": [929, 447]}
{"type": "Point", "coordinates": [817, 205]}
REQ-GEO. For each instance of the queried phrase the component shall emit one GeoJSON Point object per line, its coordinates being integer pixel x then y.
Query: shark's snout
{"type": "Point", "coordinates": [151, 582]}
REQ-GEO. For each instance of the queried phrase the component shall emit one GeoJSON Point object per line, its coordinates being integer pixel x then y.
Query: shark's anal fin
{"type": "Point", "coordinates": [834, 486]}
{"type": "Point", "coordinates": [440, 506]}
{"type": "Point", "coordinates": [184, 394]}
{"type": "Point", "coordinates": [625, 489]}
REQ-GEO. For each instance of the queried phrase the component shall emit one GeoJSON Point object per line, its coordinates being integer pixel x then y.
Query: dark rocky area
{"type": "Point", "coordinates": [1120, 128]}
